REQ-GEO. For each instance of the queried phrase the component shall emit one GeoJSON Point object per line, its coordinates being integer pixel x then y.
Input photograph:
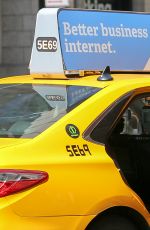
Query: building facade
{"type": "Point", "coordinates": [17, 24]}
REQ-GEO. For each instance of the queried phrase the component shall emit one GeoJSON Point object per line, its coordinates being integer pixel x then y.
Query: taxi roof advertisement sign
{"type": "Point", "coordinates": [90, 40]}
{"type": "Point", "coordinates": [69, 39]}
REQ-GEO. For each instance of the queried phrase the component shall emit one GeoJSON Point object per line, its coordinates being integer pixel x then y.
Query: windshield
{"type": "Point", "coordinates": [26, 110]}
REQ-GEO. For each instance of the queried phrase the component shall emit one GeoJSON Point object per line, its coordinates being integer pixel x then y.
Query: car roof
{"type": "Point", "coordinates": [91, 80]}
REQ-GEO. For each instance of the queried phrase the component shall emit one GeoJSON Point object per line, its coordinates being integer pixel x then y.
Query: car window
{"type": "Point", "coordinates": [136, 118]}
{"type": "Point", "coordinates": [26, 110]}
{"type": "Point", "coordinates": [134, 121]}
{"type": "Point", "coordinates": [98, 130]}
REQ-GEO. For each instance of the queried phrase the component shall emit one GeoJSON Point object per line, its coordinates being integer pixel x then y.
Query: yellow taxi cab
{"type": "Point", "coordinates": [74, 146]}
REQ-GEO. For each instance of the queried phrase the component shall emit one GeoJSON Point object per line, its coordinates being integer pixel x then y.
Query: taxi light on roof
{"type": "Point", "coordinates": [73, 40]}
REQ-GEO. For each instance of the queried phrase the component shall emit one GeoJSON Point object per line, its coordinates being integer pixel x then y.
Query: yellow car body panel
{"type": "Point", "coordinates": [79, 187]}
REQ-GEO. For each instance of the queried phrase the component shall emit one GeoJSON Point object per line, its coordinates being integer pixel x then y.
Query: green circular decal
{"type": "Point", "coordinates": [72, 131]}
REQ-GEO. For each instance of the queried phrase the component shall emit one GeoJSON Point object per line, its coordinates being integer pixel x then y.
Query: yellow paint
{"type": "Point", "coordinates": [79, 188]}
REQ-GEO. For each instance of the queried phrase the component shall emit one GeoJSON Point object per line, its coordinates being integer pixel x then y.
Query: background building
{"type": "Point", "coordinates": [17, 23]}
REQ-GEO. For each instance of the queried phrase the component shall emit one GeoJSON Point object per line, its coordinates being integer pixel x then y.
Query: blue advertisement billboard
{"type": "Point", "coordinates": [91, 40]}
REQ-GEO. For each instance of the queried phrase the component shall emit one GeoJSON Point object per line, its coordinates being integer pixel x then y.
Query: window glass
{"type": "Point", "coordinates": [136, 118]}
{"type": "Point", "coordinates": [102, 125]}
{"type": "Point", "coordinates": [26, 110]}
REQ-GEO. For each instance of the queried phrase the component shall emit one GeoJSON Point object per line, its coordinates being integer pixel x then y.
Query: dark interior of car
{"type": "Point", "coordinates": [129, 146]}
